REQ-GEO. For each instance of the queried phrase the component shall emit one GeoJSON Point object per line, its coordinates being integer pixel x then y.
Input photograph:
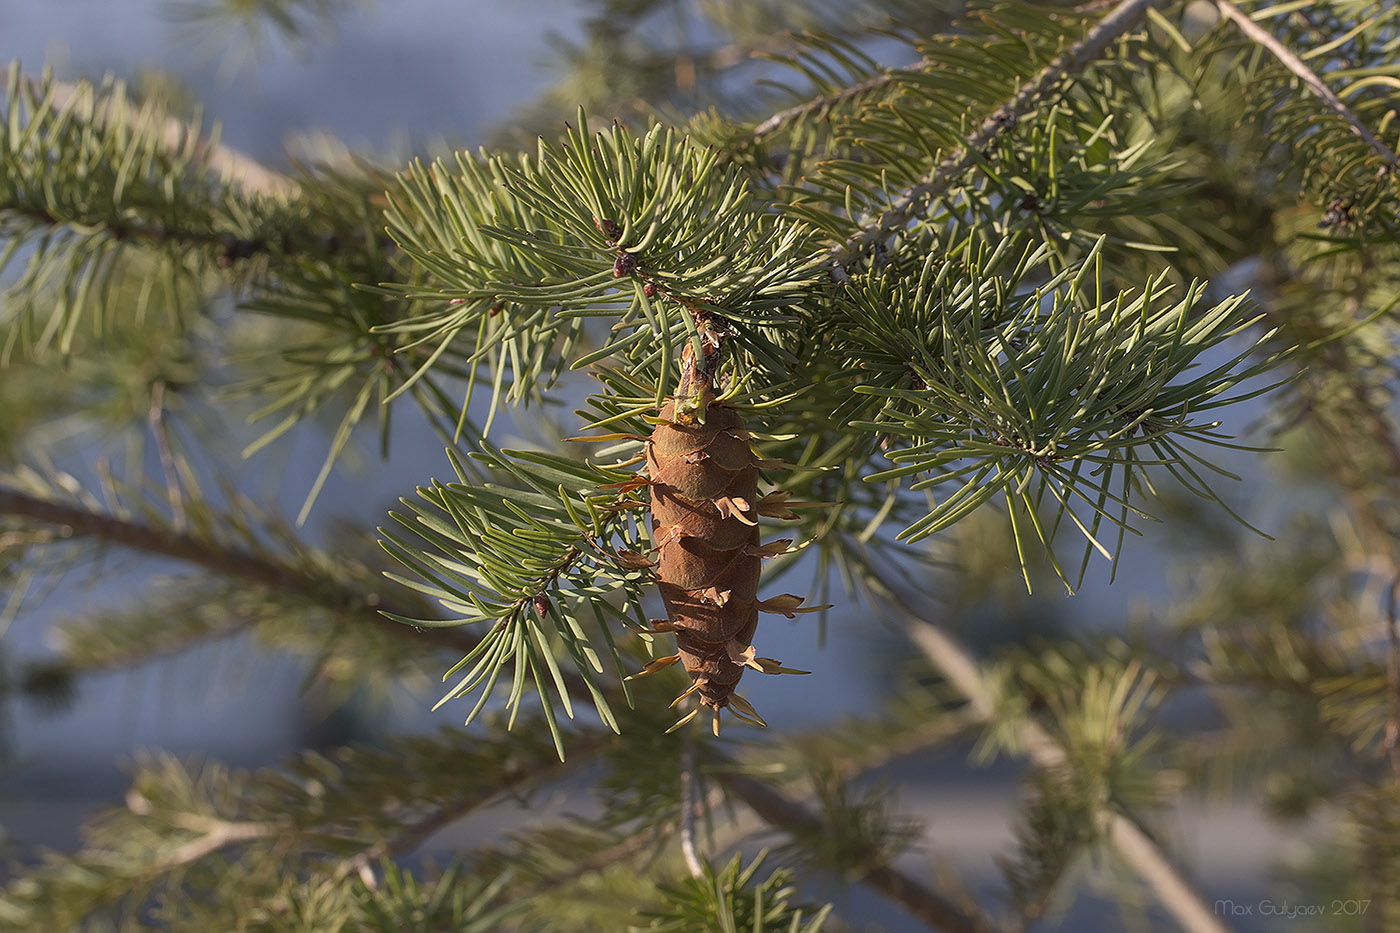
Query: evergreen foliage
{"type": "Point", "coordinates": [983, 284]}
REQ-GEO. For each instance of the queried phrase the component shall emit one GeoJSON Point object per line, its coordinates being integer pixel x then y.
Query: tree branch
{"type": "Point", "coordinates": [690, 804]}
{"type": "Point", "coordinates": [1390, 743]}
{"type": "Point", "coordinates": [75, 522]}
{"type": "Point", "coordinates": [220, 835]}
{"type": "Point", "coordinates": [784, 117]}
{"type": "Point", "coordinates": [1366, 476]}
{"type": "Point", "coordinates": [173, 494]}
{"type": "Point", "coordinates": [933, 909]}
{"type": "Point", "coordinates": [937, 182]}
{"type": "Point", "coordinates": [226, 248]}
{"type": "Point", "coordinates": [230, 164]}
{"type": "Point", "coordinates": [1152, 865]}
{"type": "Point", "coordinates": [1260, 36]}
{"type": "Point", "coordinates": [415, 833]}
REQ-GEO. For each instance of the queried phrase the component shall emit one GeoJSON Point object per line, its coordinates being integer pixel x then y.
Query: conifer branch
{"type": "Point", "coordinates": [121, 230]}
{"type": "Point", "coordinates": [219, 835]}
{"type": "Point", "coordinates": [690, 804]}
{"type": "Point", "coordinates": [1390, 742]}
{"type": "Point", "coordinates": [228, 561]}
{"type": "Point", "coordinates": [1310, 78]}
{"type": "Point", "coordinates": [1123, 18]}
{"type": "Point", "coordinates": [929, 906]}
{"type": "Point", "coordinates": [227, 249]}
{"type": "Point", "coordinates": [826, 102]}
{"type": "Point", "coordinates": [515, 781]}
{"type": "Point", "coordinates": [234, 166]}
{"type": "Point", "coordinates": [956, 663]}
{"type": "Point", "coordinates": [1360, 416]}
{"type": "Point", "coordinates": [245, 206]}
{"type": "Point", "coordinates": [173, 493]}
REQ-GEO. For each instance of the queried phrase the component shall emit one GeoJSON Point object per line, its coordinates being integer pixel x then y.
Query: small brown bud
{"type": "Point", "coordinates": [1338, 215]}
{"type": "Point", "coordinates": [625, 264]}
{"type": "Point", "coordinates": [608, 228]}
{"type": "Point", "coordinates": [541, 605]}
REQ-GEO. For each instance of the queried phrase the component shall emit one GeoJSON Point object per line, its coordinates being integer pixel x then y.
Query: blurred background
{"type": "Point", "coordinates": [393, 80]}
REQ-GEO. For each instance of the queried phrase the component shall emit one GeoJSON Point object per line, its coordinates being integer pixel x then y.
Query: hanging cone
{"type": "Point", "coordinates": [703, 482]}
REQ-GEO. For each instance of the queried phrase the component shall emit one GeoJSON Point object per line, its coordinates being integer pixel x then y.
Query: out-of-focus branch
{"type": "Point", "coordinates": [220, 835]}
{"type": "Point", "coordinates": [784, 117]}
{"type": "Point", "coordinates": [231, 165]}
{"type": "Point", "coordinates": [1364, 454]}
{"type": "Point", "coordinates": [413, 834]}
{"type": "Point", "coordinates": [1175, 893]}
{"type": "Point", "coordinates": [690, 805]}
{"type": "Point", "coordinates": [1261, 37]}
{"type": "Point", "coordinates": [75, 522]}
{"type": "Point", "coordinates": [927, 905]}
{"type": "Point", "coordinates": [1390, 744]}
{"type": "Point", "coordinates": [173, 494]}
